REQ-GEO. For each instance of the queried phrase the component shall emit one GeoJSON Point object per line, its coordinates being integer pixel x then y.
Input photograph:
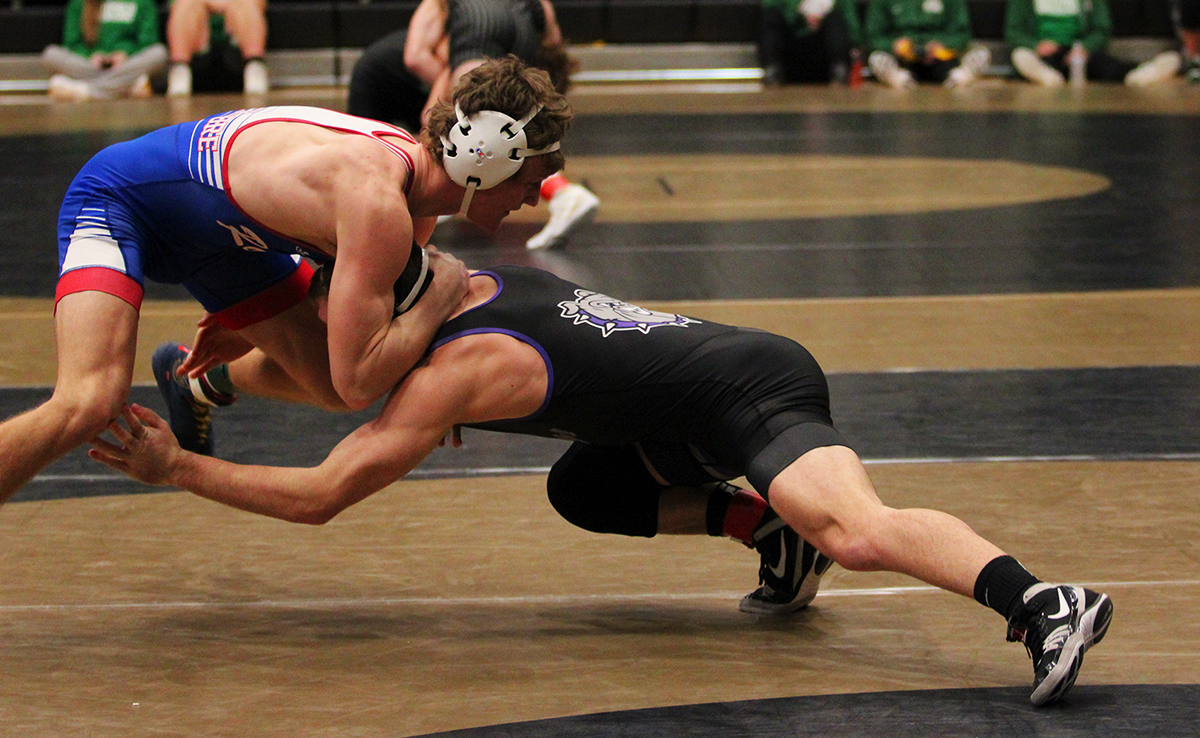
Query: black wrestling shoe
{"type": "Point", "coordinates": [1057, 624]}
{"type": "Point", "coordinates": [191, 420]}
{"type": "Point", "coordinates": [790, 571]}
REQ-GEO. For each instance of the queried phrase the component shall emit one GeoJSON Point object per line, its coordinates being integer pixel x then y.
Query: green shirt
{"type": "Point", "coordinates": [1027, 22]}
{"type": "Point", "coordinates": [125, 25]}
{"type": "Point", "coordinates": [921, 21]}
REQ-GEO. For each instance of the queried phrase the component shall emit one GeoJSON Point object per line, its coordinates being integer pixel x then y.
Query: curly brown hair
{"type": "Point", "coordinates": [506, 85]}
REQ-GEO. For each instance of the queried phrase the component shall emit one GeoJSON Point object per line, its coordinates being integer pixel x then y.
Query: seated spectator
{"type": "Point", "coordinates": [922, 41]}
{"type": "Point", "coordinates": [110, 48]}
{"type": "Point", "coordinates": [1046, 37]}
{"type": "Point", "coordinates": [399, 78]}
{"type": "Point", "coordinates": [217, 46]}
{"type": "Point", "coordinates": [812, 41]}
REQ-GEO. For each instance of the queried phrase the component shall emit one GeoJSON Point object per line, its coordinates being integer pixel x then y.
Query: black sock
{"type": "Point", "coordinates": [1000, 584]}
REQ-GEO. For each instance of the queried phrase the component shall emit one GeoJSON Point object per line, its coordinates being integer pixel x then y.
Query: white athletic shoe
{"type": "Point", "coordinates": [1032, 68]}
{"type": "Point", "coordinates": [1162, 67]}
{"type": "Point", "coordinates": [570, 208]}
{"type": "Point", "coordinates": [179, 80]}
{"type": "Point", "coordinates": [255, 80]}
{"type": "Point", "coordinates": [978, 60]}
{"type": "Point", "coordinates": [974, 64]}
{"type": "Point", "coordinates": [69, 89]}
{"type": "Point", "coordinates": [959, 76]}
{"type": "Point", "coordinates": [887, 70]}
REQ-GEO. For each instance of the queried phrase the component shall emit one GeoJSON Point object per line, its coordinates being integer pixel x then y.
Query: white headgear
{"type": "Point", "coordinates": [484, 150]}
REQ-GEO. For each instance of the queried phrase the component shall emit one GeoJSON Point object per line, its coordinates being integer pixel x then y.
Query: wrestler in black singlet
{"type": "Point", "coordinates": [619, 374]}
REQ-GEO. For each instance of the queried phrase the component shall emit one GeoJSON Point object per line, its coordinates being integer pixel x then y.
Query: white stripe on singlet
{"type": "Point", "coordinates": [210, 142]}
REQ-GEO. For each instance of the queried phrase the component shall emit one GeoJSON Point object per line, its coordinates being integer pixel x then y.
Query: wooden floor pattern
{"type": "Point", "coordinates": [459, 603]}
{"type": "Point", "coordinates": [456, 603]}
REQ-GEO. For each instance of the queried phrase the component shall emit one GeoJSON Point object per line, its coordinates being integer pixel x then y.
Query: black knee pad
{"type": "Point", "coordinates": [605, 489]}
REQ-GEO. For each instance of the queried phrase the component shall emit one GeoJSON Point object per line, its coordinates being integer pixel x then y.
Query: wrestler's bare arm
{"type": "Point", "coordinates": [369, 351]}
{"type": "Point", "coordinates": [473, 379]}
{"type": "Point", "coordinates": [344, 194]}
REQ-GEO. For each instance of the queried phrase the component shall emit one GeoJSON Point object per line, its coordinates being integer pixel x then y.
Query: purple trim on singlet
{"type": "Point", "coordinates": [504, 331]}
{"type": "Point", "coordinates": [499, 288]}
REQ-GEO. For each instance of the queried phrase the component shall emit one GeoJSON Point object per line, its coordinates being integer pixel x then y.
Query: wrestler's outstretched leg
{"type": "Point", "coordinates": [828, 498]}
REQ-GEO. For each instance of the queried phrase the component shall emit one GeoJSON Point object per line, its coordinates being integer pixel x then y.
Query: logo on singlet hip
{"type": "Point", "coordinates": [611, 315]}
{"type": "Point", "coordinates": [210, 135]}
{"type": "Point", "coordinates": [244, 238]}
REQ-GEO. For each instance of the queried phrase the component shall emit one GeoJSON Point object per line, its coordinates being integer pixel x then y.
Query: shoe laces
{"type": "Point", "coordinates": [1032, 634]}
{"type": "Point", "coordinates": [203, 415]}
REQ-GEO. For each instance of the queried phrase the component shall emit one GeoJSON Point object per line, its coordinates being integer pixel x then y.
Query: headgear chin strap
{"type": "Point", "coordinates": [484, 150]}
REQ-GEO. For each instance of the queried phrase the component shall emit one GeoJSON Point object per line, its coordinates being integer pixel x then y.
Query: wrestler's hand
{"type": "Point", "coordinates": [147, 448]}
{"type": "Point", "coordinates": [214, 345]}
{"type": "Point", "coordinates": [449, 285]}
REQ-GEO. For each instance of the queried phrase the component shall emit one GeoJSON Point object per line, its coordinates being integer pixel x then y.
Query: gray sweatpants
{"type": "Point", "coordinates": [107, 82]}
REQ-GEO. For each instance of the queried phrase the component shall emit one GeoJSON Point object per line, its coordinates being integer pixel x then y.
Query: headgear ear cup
{"type": "Point", "coordinates": [413, 281]}
{"type": "Point", "coordinates": [487, 148]}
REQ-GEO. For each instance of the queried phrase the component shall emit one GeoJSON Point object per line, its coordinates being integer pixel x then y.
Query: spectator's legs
{"type": "Point", "coordinates": [1104, 67]}
{"type": "Point", "coordinates": [187, 30]}
{"type": "Point", "coordinates": [71, 75]}
{"type": "Point", "coordinates": [246, 21]}
{"type": "Point", "coordinates": [1044, 71]}
{"type": "Point", "coordinates": [187, 35]}
{"type": "Point", "coordinates": [118, 80]}
{"type": "Point", "coordinates": [60, 60]}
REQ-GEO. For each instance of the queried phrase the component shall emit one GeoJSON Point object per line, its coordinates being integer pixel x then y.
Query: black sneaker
{"type": "Point", "coordinates": [1057, 624]}
{"type": "Point", "coordinates": [191, 420]}
{"type": "Point", "coordinates": [790, 572]}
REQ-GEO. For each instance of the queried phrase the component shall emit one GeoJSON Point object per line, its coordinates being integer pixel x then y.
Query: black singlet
{"type": "Point", "coordinates": [622, 374]}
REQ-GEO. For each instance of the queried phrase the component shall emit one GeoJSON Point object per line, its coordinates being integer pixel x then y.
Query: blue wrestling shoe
{"type": "Point", "coordinates": [790, 571]}
{"type": "Point", "coordinates": [1057, 624]}
{"type": "Point", "coordinates": [191, 419]}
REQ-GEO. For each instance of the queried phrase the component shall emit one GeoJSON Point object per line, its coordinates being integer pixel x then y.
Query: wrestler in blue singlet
{"type": "Point", "coordinates": [158, 207]}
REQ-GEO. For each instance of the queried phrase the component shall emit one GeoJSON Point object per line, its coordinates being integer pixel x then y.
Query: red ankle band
{"type": "Point", "coordinates": [743, 516]}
